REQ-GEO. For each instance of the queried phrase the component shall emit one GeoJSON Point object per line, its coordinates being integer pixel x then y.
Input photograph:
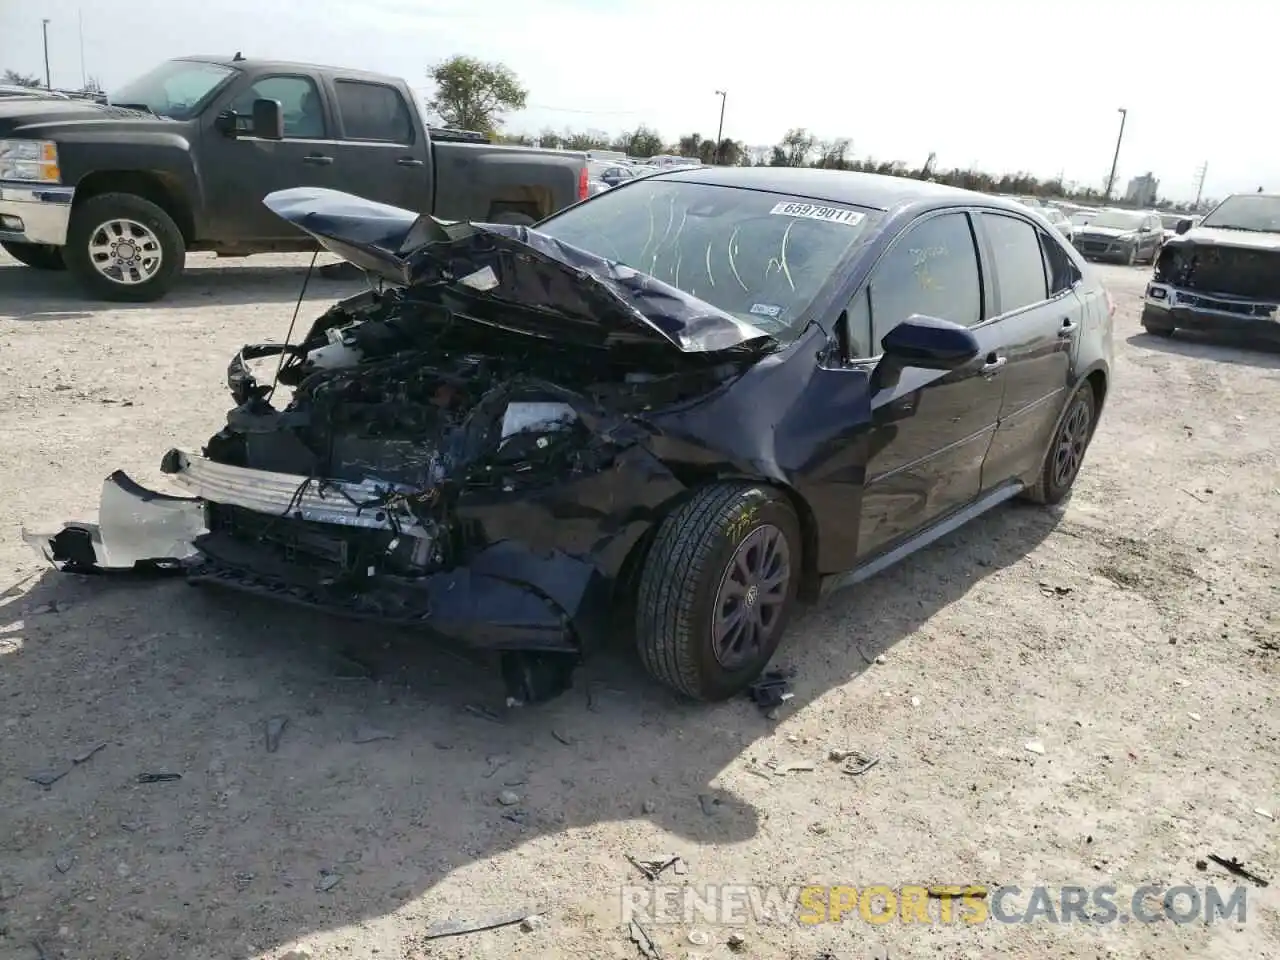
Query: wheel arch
{"type": "Point", "coordinates": [810, 581]}
{"type": "Point", "coordinates": [158, 187]}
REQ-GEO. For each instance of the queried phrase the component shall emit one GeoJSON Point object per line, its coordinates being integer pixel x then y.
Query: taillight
{"type": "Point", "coordinates": [584, 186]}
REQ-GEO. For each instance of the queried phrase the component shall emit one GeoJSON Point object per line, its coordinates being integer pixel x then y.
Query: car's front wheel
{"type": "Point", "coordinates": [717, 589]}
{"type": "Point", "coordinates": [1066, 452]}
{"type": "Point", "coordinates": [124, 247]}
{"type": "Point", "coordinates": [38, 256]}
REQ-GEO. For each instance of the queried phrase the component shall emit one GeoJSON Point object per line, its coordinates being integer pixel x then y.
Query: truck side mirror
{"type": "Point", "coordinates": [268, 119]}
{"type": "Point", "coordinates": [1182, 227]}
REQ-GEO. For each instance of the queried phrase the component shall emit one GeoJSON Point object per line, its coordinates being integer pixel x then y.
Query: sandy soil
{"type": "Point", "coordinates": [1133, 634]}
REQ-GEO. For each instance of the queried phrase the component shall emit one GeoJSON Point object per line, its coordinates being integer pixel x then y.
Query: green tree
{"type": "Point", "coordinates": [641, 142]}
{"type": "Point", "coordinates": [794, 149]}
{"type": "Point", "coordinates": [16, 79]}
{"type": "Point", "coordinates": [690, 145]}
{"type": "Point", "coordinates": [472, 94]}
{"type": "Point", "coordinates": [586, 140]}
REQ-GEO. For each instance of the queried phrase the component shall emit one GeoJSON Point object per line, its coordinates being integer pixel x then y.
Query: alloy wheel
{"type": "Point", "coordinates": [125, 252]}
{"type": "Point", "coordinates": [752, 596]}
{"type": "Point", "coordinates": [1073, 437]}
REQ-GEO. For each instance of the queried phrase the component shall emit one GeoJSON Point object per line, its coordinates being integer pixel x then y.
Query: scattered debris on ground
{"type": "Point", "coordinates": [457, 928]}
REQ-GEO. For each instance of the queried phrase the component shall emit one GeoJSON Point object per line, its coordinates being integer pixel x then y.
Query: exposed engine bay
{"type": "Point", "coordinates": [1216, 268]}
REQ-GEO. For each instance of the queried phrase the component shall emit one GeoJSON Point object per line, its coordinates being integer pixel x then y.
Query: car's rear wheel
{"type": "Point", "coordinates": [39, 256]}
{"type": "Point", "coordinates": [123, 247]}
{"type": "Point", "coordinates": [717, 589]}
{"type": "Point", "coordinates": [1067, 449]}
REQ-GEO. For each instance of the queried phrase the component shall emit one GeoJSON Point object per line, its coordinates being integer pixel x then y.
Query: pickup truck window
{"type": "Point", "coordinates": [299, 101]}
{"type": "Point", "coordinates": [373, 111]}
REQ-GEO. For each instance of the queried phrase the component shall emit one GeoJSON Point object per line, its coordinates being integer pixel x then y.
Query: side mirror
{"type": "Point", "coordinates": [268, 120]}
{"type": "Point", "coordinates": [1182, 227]}
{"type": "Point", "coordinates": [930, 344]}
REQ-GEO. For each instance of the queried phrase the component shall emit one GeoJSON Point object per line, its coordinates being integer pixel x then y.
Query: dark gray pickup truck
{"type": "Point", "coordinates": [181, 158]}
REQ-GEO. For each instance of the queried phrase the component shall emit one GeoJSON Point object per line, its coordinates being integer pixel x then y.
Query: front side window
{"type": "Point", "coordinates": [930, 270]}
{"type": "Point", "coordinates": [178, 89]}
{"type": "Point", "coordinates": [373, 111]}
{"type": "Point", "coordinates": [299, 102]}
{"type": "Point", "coordinates": [762, 257]}
{"type": "Point", "coordinates": [1018, 261]}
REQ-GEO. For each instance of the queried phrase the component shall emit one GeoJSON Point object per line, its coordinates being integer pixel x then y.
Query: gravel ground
{"type": "Point", "coordinates": [1132, 636]}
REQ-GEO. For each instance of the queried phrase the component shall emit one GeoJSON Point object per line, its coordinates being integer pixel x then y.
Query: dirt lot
{"type": "Point", "coordinates": [1133, 635]}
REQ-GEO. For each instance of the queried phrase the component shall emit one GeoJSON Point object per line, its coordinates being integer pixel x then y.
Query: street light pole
{"type": "Point", "coordinates": [723, 95]}
{"type": "Point", "coordinates": [1124, 115]}
{"type": "Point", "coordinates": [44, 27]}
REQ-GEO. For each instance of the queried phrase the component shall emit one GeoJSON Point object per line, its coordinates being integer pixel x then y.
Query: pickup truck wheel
{"type": "Point", "coordinates": [717, 589]}
{"type": "Point", "coordinates": [122, 247]}
{"type": "Point", "coordinates": [39, 256]}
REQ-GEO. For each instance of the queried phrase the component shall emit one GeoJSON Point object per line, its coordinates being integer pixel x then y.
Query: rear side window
{"type": "Point", "coordinates": [931, 270]}
{"type": "Point", "coordinates": [1062, 272]}
{"type": "Point", "coordinates": [1018, 262]}
{"type": "Point", "coordinates": [373, 111]}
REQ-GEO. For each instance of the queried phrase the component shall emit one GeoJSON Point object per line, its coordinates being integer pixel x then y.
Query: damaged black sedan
{"type": "Point", "coordinates": [672, 411]}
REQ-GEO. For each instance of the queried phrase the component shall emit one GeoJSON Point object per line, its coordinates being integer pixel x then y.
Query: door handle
{"type": "Point", "coordinates": [410, 162]}
{"type": "Point", "coordinates": [1068, 328]}
{"type": "Point", "coordinates": [319, 159]}
{"type": "Point", "coordinates": [993, 365]}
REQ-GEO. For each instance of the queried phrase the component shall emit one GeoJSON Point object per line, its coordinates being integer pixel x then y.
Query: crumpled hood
{"type": "Point", "coordinates": [1217, 236]}
{"type": "Point", "coordinates": [546, 288]}
{"type": "Point", "coordinates": [1109, 233]}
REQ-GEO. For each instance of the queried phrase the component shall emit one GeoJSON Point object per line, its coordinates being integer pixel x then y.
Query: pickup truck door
{"type": "Point", "coordinates": [239, 171]}
{"type": "Point", "coordinates": [382, 153]}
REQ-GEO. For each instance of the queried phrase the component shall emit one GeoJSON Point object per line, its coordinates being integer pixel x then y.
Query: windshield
{"type": "Point", "coordinates": [178, 89]}
{"type": "Point", "coordinates": [1081, 217]}
{"type": "Point", "coordinates": [1118, 220]}
{"type": "Point", "coordinates": [1170, 221]}
{"type": "Point", "coordinates": [762, 257]}
{"type": "Point", "coordinates": [1246, 211]}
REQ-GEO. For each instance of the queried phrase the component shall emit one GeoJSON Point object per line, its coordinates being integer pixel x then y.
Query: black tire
{"type": "Point", "coordinates": [86, 221]}
{"type": "Point", "coordinates": [1158, 331]}
{"type": "Point", "coordinates": [38, 256]}
{"type": "Point", "coordinates": [686, 567]}
{"type": "Point", "coordinates": [1079, 421]}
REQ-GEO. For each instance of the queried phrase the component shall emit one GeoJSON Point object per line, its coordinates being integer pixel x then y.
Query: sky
{"type": "Point", "coordinates": [1001, 85]}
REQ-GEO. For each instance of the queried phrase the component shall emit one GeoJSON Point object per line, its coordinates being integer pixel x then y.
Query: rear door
{"type": "Point", "coordinates": [239, 171]}
{"type": "Point", "coordinates": [931, 429]}
{"type": "Point", "coordinates": [1038, 319]}
{"type": "Point", "coordinates": [383, 154]}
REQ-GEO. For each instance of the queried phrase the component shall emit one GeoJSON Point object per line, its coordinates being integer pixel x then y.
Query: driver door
{"type": "Point", "coordinates": [930, 430]}
{"type": "Point", "coordinates": [241, 170]}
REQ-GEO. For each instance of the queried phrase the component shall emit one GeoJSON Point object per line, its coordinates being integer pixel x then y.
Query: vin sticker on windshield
{"type": "Point", "coordinates": [814, 211]}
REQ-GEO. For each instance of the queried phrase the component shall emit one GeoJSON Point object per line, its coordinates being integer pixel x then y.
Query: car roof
{"type": "Point", "coordinates": [872, 190]}
{"type": "Point", "coordinates": [287, 65]}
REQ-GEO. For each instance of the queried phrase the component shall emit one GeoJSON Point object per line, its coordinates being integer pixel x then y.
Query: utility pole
{"type": "Point", "coordinates": [44, 27]}
{"type": "Point", "coordinates": [723, 95]}
{"type": "Point", "coordinates": [84, 75]}
{"type": "Point", "coordinates": [1201, 173]}
{"type": "Point", "coordinates": [1111, 180]}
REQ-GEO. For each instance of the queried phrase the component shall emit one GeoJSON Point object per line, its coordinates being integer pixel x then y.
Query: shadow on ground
{"type": "Point", "coordinates": [232, 858]}
{"type": "Point", "coordinates": [1218, 347]}
{"type": "Point", "coordinates": [29, 294]}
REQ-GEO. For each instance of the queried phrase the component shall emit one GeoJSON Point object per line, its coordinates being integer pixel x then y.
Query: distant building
{"type": "Point", "coordinates": [1142, 190]}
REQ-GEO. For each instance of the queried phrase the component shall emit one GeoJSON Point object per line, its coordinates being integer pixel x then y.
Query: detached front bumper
{"type": "Point", "coordinates": [34, 213]}
{"type": "Point", "coordinates": [507, 598]}
{"type": "Point", "coordinates": [1166, 306]}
